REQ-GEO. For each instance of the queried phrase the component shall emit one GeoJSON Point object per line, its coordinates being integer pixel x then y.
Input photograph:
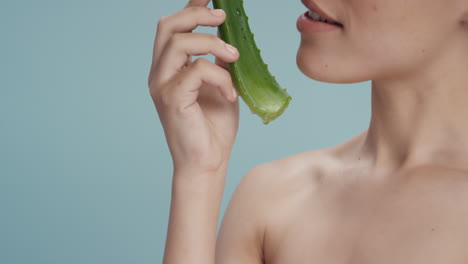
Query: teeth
{"type": "Point", "coordinates": [317, 17]}
{"type": "Point", "coordinates": [314, 15]}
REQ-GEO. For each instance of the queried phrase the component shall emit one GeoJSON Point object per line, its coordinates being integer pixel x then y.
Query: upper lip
{"type": "Point", "coordinates": [311, 5]}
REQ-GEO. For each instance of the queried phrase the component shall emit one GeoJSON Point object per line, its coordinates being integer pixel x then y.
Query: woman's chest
{"type": "Point", "coordinates": [408, 225]}
{"type": "Point", "coordinates": [383, 242]}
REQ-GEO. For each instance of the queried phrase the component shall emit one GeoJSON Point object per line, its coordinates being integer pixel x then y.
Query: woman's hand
{"type": "Point", "coordinates": [195, 100]}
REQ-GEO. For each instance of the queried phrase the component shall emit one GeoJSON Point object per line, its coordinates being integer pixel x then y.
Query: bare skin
{"type": "Point", "coordinates": [395, 193]}
{"type": "Point", "coordinates": [326, 206]}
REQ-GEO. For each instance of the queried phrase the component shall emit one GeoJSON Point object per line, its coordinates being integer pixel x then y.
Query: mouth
{"type": "Point", "coordinates": [316, 13]}
{"type": "Point", "coordinates": [313, 15]}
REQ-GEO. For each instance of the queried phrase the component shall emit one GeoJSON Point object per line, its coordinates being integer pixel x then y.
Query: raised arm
{"type": "Point", "coordinates": [198, 108]}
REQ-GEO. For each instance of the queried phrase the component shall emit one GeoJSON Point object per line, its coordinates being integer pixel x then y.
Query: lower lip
{"type": "Point", "coordinates": [305, 24]}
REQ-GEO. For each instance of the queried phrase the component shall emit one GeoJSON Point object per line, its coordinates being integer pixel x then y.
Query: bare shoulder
{"type": "Point", "coordinates": [294, 172]}
{"type": "Point", "coordinates": [259, 194]}
{"type": "Point", "coordinates": [289, 183]}
{"type": "Point", "coordinates": [242, 233]}
{"type": "Point", "coordinates": [280, 206]}
{"type": "Point", "coordinates": [302, 171]}
{"type": "Point", "coordinates": [265, 199]}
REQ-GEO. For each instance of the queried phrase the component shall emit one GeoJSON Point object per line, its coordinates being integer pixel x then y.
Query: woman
{"type": "Point", "coordinates": [395, 193]}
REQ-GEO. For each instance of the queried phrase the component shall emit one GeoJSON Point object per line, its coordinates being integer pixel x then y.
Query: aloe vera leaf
{"type": "Point", "coordinates": [254, 82]}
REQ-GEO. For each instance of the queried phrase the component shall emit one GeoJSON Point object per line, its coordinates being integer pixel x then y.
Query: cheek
{"type": "Point", "coordinates": [380, 41]}
{"type": "Point", "coordinates": [398, 37]}
{"type": "Point", "coordinates": [351, 55]}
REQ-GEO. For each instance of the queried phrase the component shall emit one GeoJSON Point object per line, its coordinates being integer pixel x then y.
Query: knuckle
{"type": "Point", "coordinates": [214, 38]}
{"type": "Point", "coordinates": [162, 23]}
{"type": "Point", "coordinates": [226, 78]}
{"type": "Point", "coordinates": [228, 75]}
{"type": "Point", "coordinates": [200, 66]}
{"type": "Point", "coordinates": [200, 63]}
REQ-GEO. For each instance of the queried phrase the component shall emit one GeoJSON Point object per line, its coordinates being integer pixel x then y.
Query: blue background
{"type": "Point", "coordinates": [85, 172]}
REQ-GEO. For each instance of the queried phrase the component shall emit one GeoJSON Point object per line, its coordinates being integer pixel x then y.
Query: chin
{"type": "Point", "coordinates": [329, 70]}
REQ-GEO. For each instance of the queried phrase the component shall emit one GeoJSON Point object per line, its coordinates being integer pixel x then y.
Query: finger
{"type": "Point", "coordinates": [197, 3]}
{"type": "Point", "coordinates": [185, 20]}
{"type": "Point", "coordinates": [210, 73]}
{"type": "Point", "coordinates": [217, 60]}
{"type": "Point", "coordinates": [185, 93]}
{"type": "Point", "coordinates": [183, 45]}
{"type": "Point", "coordinates": [222, 64]}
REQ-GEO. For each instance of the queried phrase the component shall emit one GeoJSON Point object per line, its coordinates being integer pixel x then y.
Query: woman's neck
{"type": "Point", "coordinates": [422, 119]}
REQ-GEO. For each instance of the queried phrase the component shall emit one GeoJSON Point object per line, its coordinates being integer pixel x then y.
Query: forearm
{"type": "Point", "coordinates": [193, 220]}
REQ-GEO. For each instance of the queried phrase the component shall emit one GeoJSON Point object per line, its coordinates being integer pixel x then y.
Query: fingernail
{"type": "Point", "coordinates": [217, 12]}
{"type": "Point", "coordinates": [231, 49]}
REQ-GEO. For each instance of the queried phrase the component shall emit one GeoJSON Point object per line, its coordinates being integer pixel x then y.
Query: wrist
{"type": "Point", "coordinates": [198, 179]}
{"type": "Point", "coordinates": [200, 172]}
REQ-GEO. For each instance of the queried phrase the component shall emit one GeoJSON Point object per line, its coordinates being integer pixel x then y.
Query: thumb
{"type": "Point", "coordinates": [192, 3]}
